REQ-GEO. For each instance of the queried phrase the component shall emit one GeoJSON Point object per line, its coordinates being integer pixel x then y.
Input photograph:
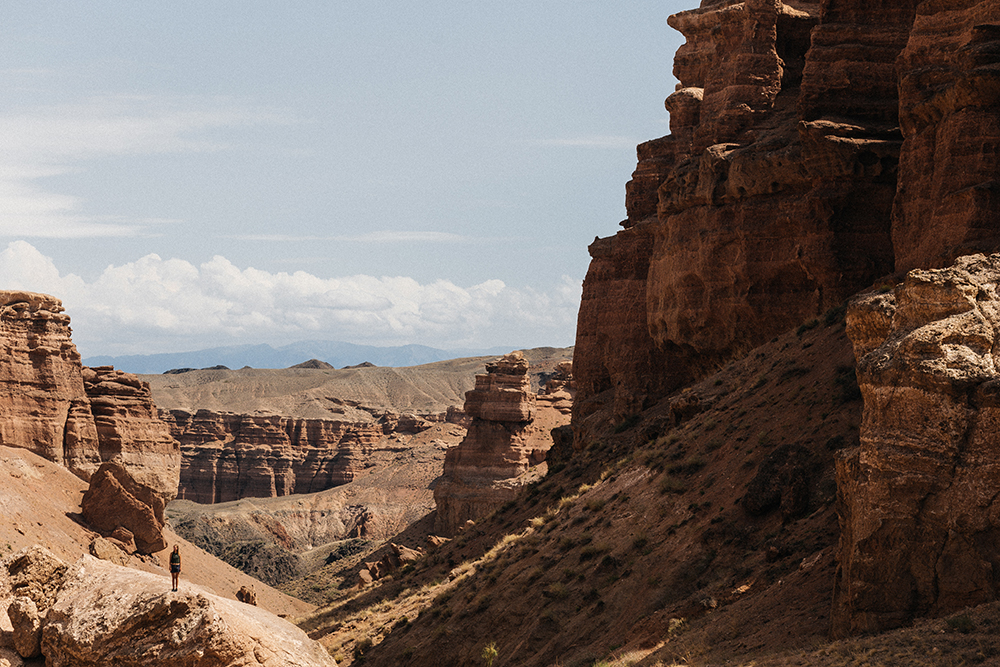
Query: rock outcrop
{"type": "Point", "coordinates": [116, 501]}
{"type": "Point", "coordinates": [814, 147]}
{"type": "Point", "coordinates": [130, 431]}
{"type": "Point", "coordinates": [227, 456]}
{"type": "Point", "coordinates": [71, 415]}
{"type": "Point", "coordinates": [919, 508]}
{"type": "Point", "coordinates": [104, 614]}
{"type": "Point", "coordinates": [43, 405]}
{"type": "Point", "coordinates": [503, 443]}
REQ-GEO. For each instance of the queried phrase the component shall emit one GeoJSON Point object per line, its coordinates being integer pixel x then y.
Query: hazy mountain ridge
{"type": "Point", "coordinates": [335, 353]}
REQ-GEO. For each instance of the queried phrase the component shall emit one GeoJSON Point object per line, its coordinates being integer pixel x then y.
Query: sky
{"type": "Point", "coordinates": [201, 173]}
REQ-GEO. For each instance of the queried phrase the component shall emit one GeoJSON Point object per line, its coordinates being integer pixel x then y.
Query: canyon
{"type": "Point", "coordinates": [783, 405]}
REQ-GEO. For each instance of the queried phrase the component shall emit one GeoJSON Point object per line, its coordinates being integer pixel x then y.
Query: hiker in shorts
{"type": "Point", "coordinates": [175, 566]}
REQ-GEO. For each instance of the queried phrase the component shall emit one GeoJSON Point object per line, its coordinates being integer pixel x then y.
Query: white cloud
{"type": "Point", "coordinates": [49, 141]}
{"type": "Point", "coordinates": [168, 305]}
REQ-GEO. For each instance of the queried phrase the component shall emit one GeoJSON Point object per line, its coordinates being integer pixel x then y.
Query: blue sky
{"type": "Point", "coordinates": [192, 174]}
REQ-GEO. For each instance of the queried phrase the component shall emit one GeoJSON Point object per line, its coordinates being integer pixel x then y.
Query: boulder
{"type": "Point", "coordinates": [107, 550]}
{"type": "Point", "coordinates": [110, 615]}
{"type": "Point", "coordinates": [247, 596]}
{"type": "Point", "coordinates": [35, 572]}
{"type": "Point", "coordinates": [115, 500]}
{"type": "Point", "coordinates": [27, 625]}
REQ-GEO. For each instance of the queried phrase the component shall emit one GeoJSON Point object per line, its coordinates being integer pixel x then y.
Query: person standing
{"type": "Point", "coordinates": [175, 566]}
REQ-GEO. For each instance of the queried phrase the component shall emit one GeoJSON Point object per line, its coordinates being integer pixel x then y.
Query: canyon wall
{"type": "Point", "coordinates": [228, 456]}
{"type": "Point", "coordinates": [71, 415]}
{"type": "Point", "coordinates": [814, 147]}
{"type": "Point", "coordinates": [919, 508]}
{"type": "Point", "coordinates": [817, 148]}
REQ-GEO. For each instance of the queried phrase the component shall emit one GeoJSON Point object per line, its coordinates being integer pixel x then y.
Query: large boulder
{"type": "Point", "coordinates": [36, 573]}
{"type": "Point", "coordinates": [27, 625]}
{"type": "Point", "coordinates": [115, 500]}
{"type": "Point", "coordinates": [111, 615]}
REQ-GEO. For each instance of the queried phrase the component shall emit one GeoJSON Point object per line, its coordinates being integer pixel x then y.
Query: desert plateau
{"type": "Point", "coordinates": [775, 441]}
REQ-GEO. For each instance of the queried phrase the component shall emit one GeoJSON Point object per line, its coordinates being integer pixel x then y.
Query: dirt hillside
{"type": "Point", "coordinates": [317, 393]}
{"type": "Point", "coordinates": [40, 504]}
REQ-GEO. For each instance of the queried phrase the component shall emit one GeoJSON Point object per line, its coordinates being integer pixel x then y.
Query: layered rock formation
{"type": "Point", "coordinates": [130, 431]}
{"type": "Point", "coordinates": [504, 441]}
{"type": "Point", "coordinates": [77, 417]}
{"type": "Point", "coordinates": [230, 456]}
{"type": "Point", "coordinates": [920, 515]}
{"type": "Point", "coordinates": [43, 405]}
{"type": "Point", "coordinates": [949, 112]}
{"type": "Point", "coordinates": [104, 614]}
{"type": "Point", "coordinates": [767, 204]}
{"type": "Point", "coordinates": [814, 147]}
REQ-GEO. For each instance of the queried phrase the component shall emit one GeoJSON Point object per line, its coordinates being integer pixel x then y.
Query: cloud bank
{"type": "Point", "coordinates": [170, 305]}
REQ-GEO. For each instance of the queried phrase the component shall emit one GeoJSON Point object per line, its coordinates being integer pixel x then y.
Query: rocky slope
{"type": "Point", "coordinates": [40, 504]}
{"type": "Point", "coordinates": [703, 531]}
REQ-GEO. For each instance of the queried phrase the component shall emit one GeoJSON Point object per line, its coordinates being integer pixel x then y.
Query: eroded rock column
{"type": "Point", "coordinates": [489, 465]}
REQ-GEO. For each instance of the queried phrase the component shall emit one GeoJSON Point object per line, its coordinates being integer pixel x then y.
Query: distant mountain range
{"type": "Point", "coordinates": [335, 353]}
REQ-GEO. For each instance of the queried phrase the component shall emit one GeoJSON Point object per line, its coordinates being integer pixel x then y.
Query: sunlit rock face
{"type": "Point", "coordinates": [918, 500]}
{"type": "Point", "coordinates": [505, 441]}
{"type": "Point", "coordinates": [76, 416]}
{"type": "Point", "coordinates": [43, 405]}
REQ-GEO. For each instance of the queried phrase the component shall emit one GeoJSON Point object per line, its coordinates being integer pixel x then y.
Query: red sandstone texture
{"type": "Point", "coordinates": [816, 147]}
{"type": "Point", "coordinates": [919, 515]}
{"type": "Point", "coordinates": [75, 416]}
{"type": "Point", "coordinates": [509, 434]}
{"type": "Point", "coordinates": [229, 456]}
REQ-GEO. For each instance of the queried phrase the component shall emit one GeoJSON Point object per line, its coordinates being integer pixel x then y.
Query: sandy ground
{"type": "Point", "coordinates": [40, 504]}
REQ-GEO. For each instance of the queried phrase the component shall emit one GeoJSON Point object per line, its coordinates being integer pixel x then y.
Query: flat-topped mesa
{"type": "Point", "coordinates": [919, 499]}
{"type": "Point", "coordinates": [501, 446]}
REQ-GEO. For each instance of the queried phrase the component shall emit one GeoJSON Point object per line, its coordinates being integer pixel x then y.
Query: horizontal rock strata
{"type": "Point", "coordinates": [919, 509]}
{"type": "Point", "coordinates": [229, 456]}
{"type": "Point", "coordinates": [503, 443]}
{"type": "Point", "coordinates": [71, 415]}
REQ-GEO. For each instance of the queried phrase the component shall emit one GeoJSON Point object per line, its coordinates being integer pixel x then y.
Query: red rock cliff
{"type": "Point", "coordinates": [814, 147]}
{"type": "Point", "coordinates": [228, 456]}
{"type": "Point", "coordinates": [75, 416]}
